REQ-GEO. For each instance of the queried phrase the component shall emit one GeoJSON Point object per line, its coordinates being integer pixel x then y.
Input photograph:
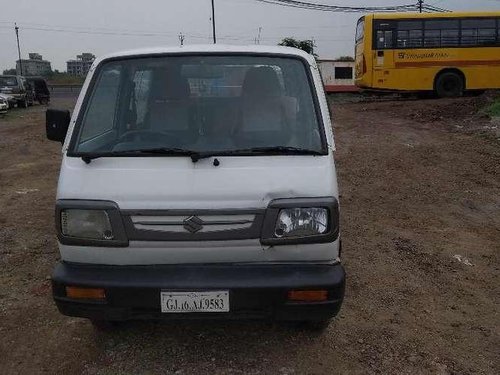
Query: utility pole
{"type": "Point", "coordinates": [18, 48]}
{"type": "Point", "coordinates": [181, 38]}
{"type": "Point", "coordinates": [420, 5]}
{"type": "Point", "coordinates": [258, 37]}
{"type": "Point", "coordinates": [213, 21]}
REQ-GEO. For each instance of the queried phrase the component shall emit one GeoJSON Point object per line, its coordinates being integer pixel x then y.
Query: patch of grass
{"type": "Point", "coordinates": [493, 110]}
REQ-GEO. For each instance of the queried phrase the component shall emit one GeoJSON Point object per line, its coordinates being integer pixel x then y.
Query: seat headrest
{"type": "Point", "coordinates": [261, 81]}
{"type": "Point", "coordinates": [170, 84]}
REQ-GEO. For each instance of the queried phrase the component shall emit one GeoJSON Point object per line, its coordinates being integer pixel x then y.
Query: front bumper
{"type": "Point", "coordinates": [255, 291]}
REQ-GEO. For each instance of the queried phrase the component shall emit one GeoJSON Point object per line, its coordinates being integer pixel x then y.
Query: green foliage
{"type": "Point", "coordinates": [345, 58]}
{"type": "Point", "coordinates": [9, 72]}
{"type": "Point", "coordinates": [307, 45]}
{"type": "Point", "coordinates": [57, 77]}
{"type": "Point", "coordinates": [493, 110]}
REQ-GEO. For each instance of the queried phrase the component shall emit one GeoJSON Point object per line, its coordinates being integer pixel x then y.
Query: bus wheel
{"type": "Point", "coordinates": [449, 85]}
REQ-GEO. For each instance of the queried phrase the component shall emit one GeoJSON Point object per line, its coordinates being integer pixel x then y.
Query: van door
{"type": "Point", "coordinates": [383, 52]}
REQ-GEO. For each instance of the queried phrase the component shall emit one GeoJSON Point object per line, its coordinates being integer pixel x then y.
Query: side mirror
{"type": "Point", "coordinates": [56, 124]}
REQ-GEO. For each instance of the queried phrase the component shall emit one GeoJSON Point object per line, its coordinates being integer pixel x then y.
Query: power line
{"type": "Point", "coordinates": [349, 9]}
{"type": "Point", "coordinates": [145, 33]}
{"type": "Point", "coordinates": [338, 8]}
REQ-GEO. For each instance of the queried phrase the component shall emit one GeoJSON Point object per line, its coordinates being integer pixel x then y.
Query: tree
{"type": "Point", "coordinates": [345, 58]}
{"type": "Point", "coordinates": [10, 72]}
{"type": "Point", "coordinates": [307, 45]}
{"type": "Point", "coordinates": [64, 78]}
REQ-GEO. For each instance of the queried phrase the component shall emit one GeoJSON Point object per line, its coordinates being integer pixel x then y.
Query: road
{"type": "Point", "coordinates": [420, 201]}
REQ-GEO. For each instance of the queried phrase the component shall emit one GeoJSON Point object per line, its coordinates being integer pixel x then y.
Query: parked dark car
{"type": "Point", "coordinates": [42, 93]}
{"type": "Point", "coordinates": [19, 88]}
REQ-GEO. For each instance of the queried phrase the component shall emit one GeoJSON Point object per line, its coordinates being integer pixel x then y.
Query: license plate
{"type": "Point", "coordinates": [187, 302]}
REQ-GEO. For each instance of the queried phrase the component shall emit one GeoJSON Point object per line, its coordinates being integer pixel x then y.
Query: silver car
{"type": "Point", "coordinates": [4, 106]}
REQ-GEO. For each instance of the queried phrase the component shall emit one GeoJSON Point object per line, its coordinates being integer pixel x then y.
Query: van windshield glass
{"type": "Point", "coordinates": [8, 81]}
{"type": "Point", "coordinates": [202, 103]}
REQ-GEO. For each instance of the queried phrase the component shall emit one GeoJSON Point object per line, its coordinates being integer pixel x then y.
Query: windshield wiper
{"type": "Point", "coordinates": [146, 151]}
{"type": "Point", "coordinates": [271, 150]}
{"type": "Point", "coordinates": [195, 155]}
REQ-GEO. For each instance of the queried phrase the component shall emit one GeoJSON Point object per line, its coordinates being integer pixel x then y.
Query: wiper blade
{"type": "Point", "coordinates": [284, 149]}
{"type": "Point", "coordinates": [272, 150]}
{"type": "Point", "coordinates": [195, 155]}
{"type": "Point", "coordinates": [146, 151]}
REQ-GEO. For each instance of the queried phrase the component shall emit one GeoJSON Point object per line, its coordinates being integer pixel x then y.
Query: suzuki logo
{"type": "Point", "coordinates": [193, 224]}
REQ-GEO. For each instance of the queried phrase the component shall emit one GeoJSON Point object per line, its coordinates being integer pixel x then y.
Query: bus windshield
{"type": "Point", "coordinates": [360, 30]}
{"type": "Point", "coordinates": [200, 103]}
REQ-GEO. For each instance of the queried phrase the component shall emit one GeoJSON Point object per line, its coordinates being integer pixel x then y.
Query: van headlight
{"type": "Point", "coordinates": [301, 221]}
{"type": "Point", "coordinates": [91, 224]}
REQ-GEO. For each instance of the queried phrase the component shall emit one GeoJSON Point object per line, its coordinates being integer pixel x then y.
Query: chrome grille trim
{"type": "Point", "coordinates": [173, 225]}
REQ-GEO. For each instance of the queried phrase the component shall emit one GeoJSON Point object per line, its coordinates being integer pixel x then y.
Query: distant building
{"type": "Point", "coordinates": [34, 66]}
{"type": "Point", "coordinates": [337, 75]}
{"type": "Point", "coordinates": [80, 66]}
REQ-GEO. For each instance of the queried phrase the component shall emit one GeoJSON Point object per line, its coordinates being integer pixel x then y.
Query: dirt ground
{"type": "Point", "coordinates": [420, 200]}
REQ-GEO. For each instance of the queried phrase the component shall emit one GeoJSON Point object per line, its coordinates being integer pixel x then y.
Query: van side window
{"type": "Point", "coordinates": [100, 115]}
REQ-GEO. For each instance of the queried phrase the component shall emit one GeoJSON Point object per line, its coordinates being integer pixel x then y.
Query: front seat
{"type": "Point", "coordinates": [264, 120]}
{"type": "Point", "coordinates": [170, 110]}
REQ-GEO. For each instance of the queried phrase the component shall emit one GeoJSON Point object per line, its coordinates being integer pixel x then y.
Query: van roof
{"type": "Point", "coordinates": [211, 48]}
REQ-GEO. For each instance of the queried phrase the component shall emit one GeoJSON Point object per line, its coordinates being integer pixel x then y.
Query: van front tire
{"type": "Point", "coordinates": [450, 85]}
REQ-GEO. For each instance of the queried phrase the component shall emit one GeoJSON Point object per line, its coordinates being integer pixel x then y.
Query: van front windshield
{"type": "Point", "coordinates": [202, 103]}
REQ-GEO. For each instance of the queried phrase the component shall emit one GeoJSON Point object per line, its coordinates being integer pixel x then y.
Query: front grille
{"type": "Point", "coordinates": [175, 225]}
{"type": "Point", "coordinates": [193, 223]}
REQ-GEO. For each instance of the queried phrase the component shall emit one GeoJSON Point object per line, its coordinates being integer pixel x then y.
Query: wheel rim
{"type": "Point", "coordinates": [451, 85]}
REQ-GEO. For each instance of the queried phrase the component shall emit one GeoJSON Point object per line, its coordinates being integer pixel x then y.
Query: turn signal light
{"type": "Point", "coordinates": [308, 295]}
{"type": "Point", "coordinates": [85, 293]}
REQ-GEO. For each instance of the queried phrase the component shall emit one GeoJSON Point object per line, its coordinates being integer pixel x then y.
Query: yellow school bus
{"type": "Point", "coordinates": [447, 53]}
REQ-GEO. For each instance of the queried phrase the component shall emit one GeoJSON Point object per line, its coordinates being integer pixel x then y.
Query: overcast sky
{"type": "Point", "coordinates": [61, 29]}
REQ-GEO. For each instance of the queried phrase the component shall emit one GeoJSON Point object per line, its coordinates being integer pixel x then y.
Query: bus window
{"type": "Point", "coordinates": [441, 33]}
{"type": "Point", "coordinates": [478, 32]}
{"type": "Point", "coordinates": [450, 38]}
{"type": "Point", "coordinates": [409, 34]}
{"type": "Point", "coordinates": [384, 39]}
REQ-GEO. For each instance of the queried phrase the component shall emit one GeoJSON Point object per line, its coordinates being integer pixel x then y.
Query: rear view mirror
{"type": "Point", "coordinates": [56, 124]}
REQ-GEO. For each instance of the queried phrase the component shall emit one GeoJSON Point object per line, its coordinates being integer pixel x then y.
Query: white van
{"type": "Point", "coordinates": [198, 182]}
